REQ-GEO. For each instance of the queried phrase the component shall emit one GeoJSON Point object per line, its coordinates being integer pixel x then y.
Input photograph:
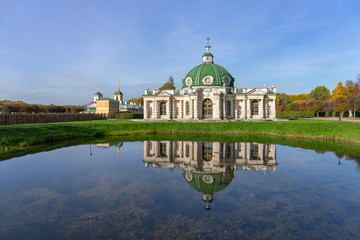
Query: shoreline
{"type": "Point", "coordinates": [20, 136]}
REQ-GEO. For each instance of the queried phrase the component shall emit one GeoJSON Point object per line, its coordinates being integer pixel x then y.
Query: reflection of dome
{"type": "Point", "coordinates": [208, 183]}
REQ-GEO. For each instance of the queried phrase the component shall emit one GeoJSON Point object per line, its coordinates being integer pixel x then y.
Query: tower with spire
{"type": "Point", "coordinates": [118, 95]}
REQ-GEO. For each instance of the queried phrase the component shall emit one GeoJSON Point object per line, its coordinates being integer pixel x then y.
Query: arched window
{"type": "Point", "coordinates": [163, 108]}
{"type": "Point", "coordinates": [187, 108]}
{"type": "Point", "coordinates": [228, 108]}
{"type": "Point", "coordinates": [255, 107]}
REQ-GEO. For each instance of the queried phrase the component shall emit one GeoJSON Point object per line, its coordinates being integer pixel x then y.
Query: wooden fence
{"type": "Point", "coordinates": [31, 118]}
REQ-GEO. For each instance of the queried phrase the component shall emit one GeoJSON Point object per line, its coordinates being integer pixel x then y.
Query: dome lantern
{"type": "Point", "coordinates": [208, 57]}
{"type": "Point", "coordinates": [208, 74]}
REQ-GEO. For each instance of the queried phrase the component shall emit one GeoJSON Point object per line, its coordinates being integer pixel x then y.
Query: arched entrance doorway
{"type": "Point", "coordinates": [207, 109]}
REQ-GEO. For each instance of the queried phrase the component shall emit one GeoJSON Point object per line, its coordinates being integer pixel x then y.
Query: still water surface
{"type": "Point", "coordinates": [180, 190]}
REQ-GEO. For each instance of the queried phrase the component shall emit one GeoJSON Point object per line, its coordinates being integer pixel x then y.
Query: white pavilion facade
{"type": "Point", "coordinates": [208, 92]}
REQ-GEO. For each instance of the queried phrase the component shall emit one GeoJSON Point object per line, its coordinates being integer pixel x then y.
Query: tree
{"type": "Point", "coordinates": [292, 106]}
{"type": "Point", "coordinates": [357, 102]}
{"type": "Point", "coordinates": [351, 104]}
{"type": "Point", "coordinates": [340, 95]}
{"type": "Point", "coordinates": [340, 104]}
{"type": "Point", "coordinates": [169, 85]}
{"type": "Point", "coordinates": [318, 106]}
{"type": "Point", "coordinates": [320, 93]}
{"type": "Point", "coordinates": [328, 106]}
{"type": "Point", "coordinates": [137, 101]}
{"type": "Point", "coordinates": [352, 88]}
{"type": "Point", "coordinates": [339, 91]}
{"type": "Point", "coordinates": [282, 99]}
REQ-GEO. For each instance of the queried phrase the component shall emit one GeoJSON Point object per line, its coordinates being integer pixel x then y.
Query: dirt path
{"type": "Point", "coordinates": [337, 119]}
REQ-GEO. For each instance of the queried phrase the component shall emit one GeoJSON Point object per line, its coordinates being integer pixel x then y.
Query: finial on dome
{"type": "Point", "coordinates": [118, 85]}
{"type": "Point", "coordinates": [207, 47]}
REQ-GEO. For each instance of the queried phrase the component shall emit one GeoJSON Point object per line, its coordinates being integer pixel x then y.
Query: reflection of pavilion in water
{"type": "Point", "coordinates": [210, 166]}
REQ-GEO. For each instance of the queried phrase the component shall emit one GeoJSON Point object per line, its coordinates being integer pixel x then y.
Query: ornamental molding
{"type": "Point", "coordinates": [162, 93]}
{"type": "Point", "coordinates": [205, 80]}
{"type": "Point", "coordinates": [256, 91]}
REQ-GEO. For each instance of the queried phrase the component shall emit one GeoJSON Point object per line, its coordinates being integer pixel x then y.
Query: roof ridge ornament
{"type": "Point", "coordinates": [207, 47]}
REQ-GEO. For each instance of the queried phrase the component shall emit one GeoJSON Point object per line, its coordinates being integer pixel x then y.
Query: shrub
{"type": "Point", "coordinates": [26, 118]}
{"type": "Point", "coordinates": [296, 114]}
{"type": "Point", "coordinates": [130, 115]}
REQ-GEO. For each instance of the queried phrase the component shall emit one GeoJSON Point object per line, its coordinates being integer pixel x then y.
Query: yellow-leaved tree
{"type": "Point", "coordinates": [340, 94]}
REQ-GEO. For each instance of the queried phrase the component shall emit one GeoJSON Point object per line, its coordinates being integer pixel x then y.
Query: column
{"type": "Point", "coordinates": [261, 108]}
{"type": "Point", "coordinates": [196, 115]}
{"type": "Point", "coordinates": [236, 108]}
{"type": "Point", "coordinates": [224, 108]}
{"type": "Point", "coordinates": [155, 110]}
{"type": "Point", "coordinates": [266, 108]}
{"type": "Point", "coordinates": [145, 109]}
{"type": "Point", "coordinates": [175, 109]}
{"type": "Point", "coordinates": [248, 110]}
{"type": "Point", "coordinates": [274, 108]}
{"type": "Point", "coordinates": [182, 109]}
{"type": "Point", "coordinates": [168, 104]}
{"type": "Point", "coordinates": [242, 109]}
{"type": "Point", "coordinates": [218, 103]}
{"type": "Point", "coordinates": [191, 108]}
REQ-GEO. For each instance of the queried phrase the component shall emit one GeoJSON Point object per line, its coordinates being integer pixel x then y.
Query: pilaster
{"type": "Point", "coordinates": [261, 108]}
{"type": "Point", "coordinates": [248, 110]}
{"type": "Point", "coordinates": [236, 108]}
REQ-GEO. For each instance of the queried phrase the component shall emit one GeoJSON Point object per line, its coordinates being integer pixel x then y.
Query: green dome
{"type": "Point", "coordinates": [217, 182]}
{"type": "Point", "coordinates": [118, 93]}
{"type": "Point", "coordinates": [208, 54]}
{"type": "Point", "coordinates": [217, 75]}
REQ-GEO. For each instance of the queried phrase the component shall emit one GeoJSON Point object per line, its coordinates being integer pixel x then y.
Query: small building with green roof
{"type": "Point", "coordinates": [209, 92]}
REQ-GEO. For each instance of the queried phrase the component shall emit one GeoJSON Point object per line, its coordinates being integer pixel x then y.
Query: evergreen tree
{"type": "Point", "coordinates": [169, 85]}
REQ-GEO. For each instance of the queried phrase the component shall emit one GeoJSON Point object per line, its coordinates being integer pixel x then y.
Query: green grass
{"type": "Point", "coordinates": [17, 137]}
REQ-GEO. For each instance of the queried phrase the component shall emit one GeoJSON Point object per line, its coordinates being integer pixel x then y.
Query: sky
{"type": "Point", "coordinates": [62, 52]}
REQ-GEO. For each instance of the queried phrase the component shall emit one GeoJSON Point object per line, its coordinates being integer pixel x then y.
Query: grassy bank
{"type": "Point", "coordinates": [17, 137]}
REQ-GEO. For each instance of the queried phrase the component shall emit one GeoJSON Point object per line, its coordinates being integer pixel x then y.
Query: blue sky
{"type": "Point", "coordinates": [62, 52]}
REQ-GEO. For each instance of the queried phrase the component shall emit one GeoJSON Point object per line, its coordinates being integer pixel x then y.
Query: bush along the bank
{"type": "Point", "coordinates": [295, 114]}
{"type": "Point", "coordinates": [130, 115]}
{"type": "Point", "coordinates": [31, 118]}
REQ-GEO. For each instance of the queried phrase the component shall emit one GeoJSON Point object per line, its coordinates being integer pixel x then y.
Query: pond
{"type": "Point", "coordinates": [180, 190]}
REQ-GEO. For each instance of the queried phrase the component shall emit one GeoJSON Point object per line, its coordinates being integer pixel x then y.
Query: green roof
{"type": "Point", "coordinates": [118, 93]}
{"type": "Point", "coordinates": [208, 54]}
{"type": "Point", "coordinates": [202, 70]}
{"type": "Point", "coordinates": [89, 111]}
{"type": "Point", "coordinates": [106, 99]}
